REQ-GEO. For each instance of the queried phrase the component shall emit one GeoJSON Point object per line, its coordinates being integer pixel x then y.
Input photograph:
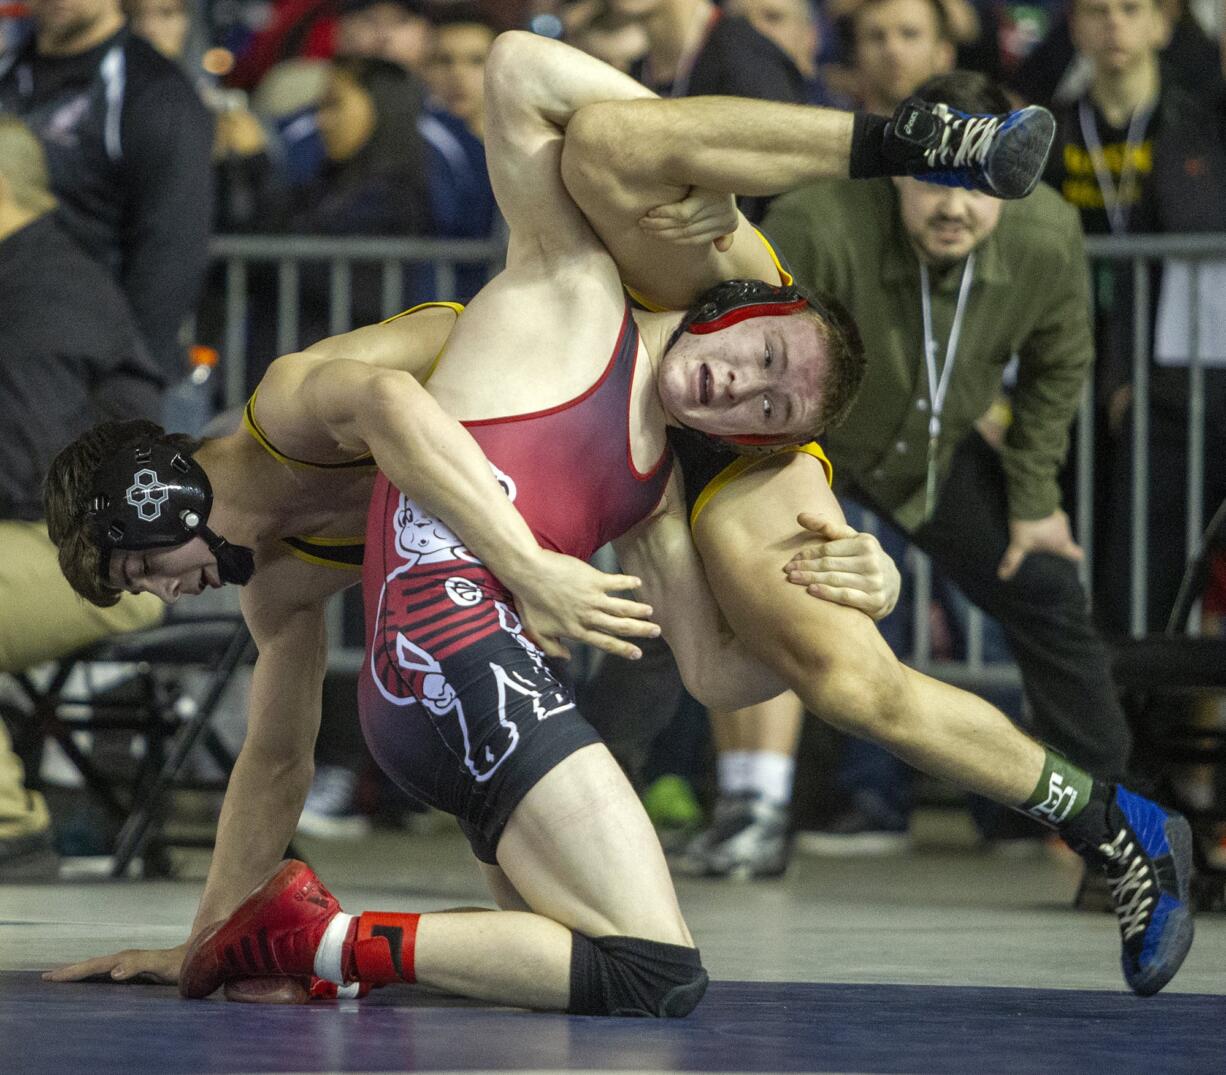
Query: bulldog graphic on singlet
{"type": "Point", "coordinates": [445, 601]}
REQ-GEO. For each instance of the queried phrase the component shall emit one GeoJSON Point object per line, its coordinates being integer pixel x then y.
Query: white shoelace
{"type": "Point", "coordinates": [1130, 889]}
{"type": "Point", "coordinates": [974, 142]}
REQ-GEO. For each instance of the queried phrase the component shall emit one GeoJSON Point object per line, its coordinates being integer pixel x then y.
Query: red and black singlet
{"type": "Point", "coordinates": [570, 472]}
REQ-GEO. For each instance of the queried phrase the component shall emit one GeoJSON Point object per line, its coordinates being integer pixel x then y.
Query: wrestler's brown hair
{"type": "Point", "coordinates": [845, 359]}
{"type": "Point", "coordinates": [68, 493]}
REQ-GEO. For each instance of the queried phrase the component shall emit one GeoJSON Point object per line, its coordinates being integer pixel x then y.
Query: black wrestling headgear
{"type": "Point", "coordinates": [728, 303]}
{"type": "Point", "coordinates": [151, 495]}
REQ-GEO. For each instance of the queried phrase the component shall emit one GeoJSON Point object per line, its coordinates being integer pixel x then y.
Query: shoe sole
{"type": "Point", "coordinates": [1015, 164]}
{"type": "Point", "coordinates": [197, 982]}
{"type": "Point", "coordinates": [1177, 939]}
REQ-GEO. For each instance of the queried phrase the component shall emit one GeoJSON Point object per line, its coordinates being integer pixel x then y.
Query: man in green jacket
{"type": "Point", "coordinates": [946, 287]}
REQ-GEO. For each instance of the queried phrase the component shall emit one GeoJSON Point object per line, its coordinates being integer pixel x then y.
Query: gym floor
{"type": "Point", "coordinates": [945, 959]}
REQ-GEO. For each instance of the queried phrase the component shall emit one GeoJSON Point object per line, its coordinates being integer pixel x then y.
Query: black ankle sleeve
{"type": "Point", "coordinates": [1093, 825]}
{"type": "Point", "coordinates": [867, 146]}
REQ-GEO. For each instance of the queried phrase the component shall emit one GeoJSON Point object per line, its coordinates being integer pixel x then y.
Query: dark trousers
{"type": "Point", "coordinates": [1166, 537]}
{"type": "Point", "coordinates": [1042, 610]}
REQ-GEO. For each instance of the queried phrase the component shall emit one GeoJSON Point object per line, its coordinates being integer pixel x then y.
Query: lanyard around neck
{"type": "Point", "coordinates": [938, 386]}
{"type": "Point", "coordinates": [1113, 196]}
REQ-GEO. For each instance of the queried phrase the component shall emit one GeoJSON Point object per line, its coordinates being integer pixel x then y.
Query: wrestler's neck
{"type": "Point", "coordinates": [674, 31]}
{"type": "Point", "coordinates": [1118, 94]}
{"type": "Point", "coordinates": [241, 512]}
{"type": "Point", "coordinates": [655, 330]}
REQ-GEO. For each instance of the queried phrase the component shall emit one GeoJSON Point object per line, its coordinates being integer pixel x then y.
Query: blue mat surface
{"type": "Point", "coordinates": [740, 1026]}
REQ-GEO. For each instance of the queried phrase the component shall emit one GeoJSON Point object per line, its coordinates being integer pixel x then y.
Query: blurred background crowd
{"type": "Point", "coordinates": [163, 126]}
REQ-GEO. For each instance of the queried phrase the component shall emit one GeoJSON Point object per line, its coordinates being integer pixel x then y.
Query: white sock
{"type": "Point", "coordinates": [770, 775]}
{"type": "Point", "coordinates": [328, 954]}
{"type": "Point", "coordinates": [733, 772]}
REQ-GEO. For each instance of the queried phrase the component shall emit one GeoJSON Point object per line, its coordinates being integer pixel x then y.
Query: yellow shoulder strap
{"type": "Point", "coordinates": [456, 307]}
{"type": "Point", "coordinates": [746, 463]}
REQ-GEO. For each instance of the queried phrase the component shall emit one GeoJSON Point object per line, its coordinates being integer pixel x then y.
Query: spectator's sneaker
{"type": "Point", "coordinates": [673, 809]}
{"type": "Point", "coordinates": [1002, 155]}
{"type": "Point", "coordinates": [866, 827]}
{"type": "Point", "coordinates": [329, 812]}
{"type": "Point", "coordinates": [273, 934]}
{"type": "Point", "coordinates": [749, 837]}
{"type": "Point", "coordinates": [1148, 862]}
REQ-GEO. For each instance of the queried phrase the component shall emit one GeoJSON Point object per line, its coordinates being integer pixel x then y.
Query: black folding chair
{"type": "Point", "coordinates": [158, 706]}
{"type": "Point", "coordinates": [1160, 677]}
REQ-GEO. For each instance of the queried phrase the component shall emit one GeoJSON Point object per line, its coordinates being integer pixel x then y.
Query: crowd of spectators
{"type": "Point", "coordinates": [164, 122]}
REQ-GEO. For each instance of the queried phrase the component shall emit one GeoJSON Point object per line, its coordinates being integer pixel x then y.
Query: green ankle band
{"type": "Point", "coordinates": [1062, 793]}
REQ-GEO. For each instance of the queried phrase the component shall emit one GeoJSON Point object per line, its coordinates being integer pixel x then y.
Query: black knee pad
{"type": "Point", "coordinates": [630, 976]}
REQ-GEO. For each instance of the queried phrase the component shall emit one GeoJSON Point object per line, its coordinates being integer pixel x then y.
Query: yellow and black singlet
{"type": "Point", "coordinates": [343, 552]}
{"type": "Point", "coordinates": [708, 467]}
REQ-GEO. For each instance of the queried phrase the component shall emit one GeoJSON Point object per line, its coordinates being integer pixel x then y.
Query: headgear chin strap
{"type": "Point", "coordinates": [728, 304]}
{"type": "Point", "coordinates": [154, 496]}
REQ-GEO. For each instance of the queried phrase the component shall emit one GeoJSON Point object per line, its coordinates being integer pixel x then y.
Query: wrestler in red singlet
{"type": "Point", "coordinates": [453, 696]}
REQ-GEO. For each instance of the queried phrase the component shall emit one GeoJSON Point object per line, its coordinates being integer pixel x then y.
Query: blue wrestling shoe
{"type": "Point", "coordinates": [1002, 155]}
{"type": "Point", "coordinates": [1148, 864]}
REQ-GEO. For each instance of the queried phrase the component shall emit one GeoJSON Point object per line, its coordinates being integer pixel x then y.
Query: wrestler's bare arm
{"type": "Point", "coordinates": [408, 344]}
{"type": "Point", "coordinates": [529, 101]}
{"type": "Point", "coordinates": [625, 159]}
{"type": "Point", "coordinates": [717, 669]}
{"type": "Point", "coordinates": [284, 608]}
{"type": "Point", "coordinates": [410, 341]}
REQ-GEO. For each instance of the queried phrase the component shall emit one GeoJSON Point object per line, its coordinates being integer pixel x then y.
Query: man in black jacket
{"type": "Point", "coordinates": [129, 145]}
{"type": "Point", "coordinates": [69, 356]}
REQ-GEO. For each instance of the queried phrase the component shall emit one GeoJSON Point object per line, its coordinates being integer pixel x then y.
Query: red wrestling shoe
{"type": "Point", "coordinates": [291, 990]}
{"type": "Point", "coordinates": [273, 933]}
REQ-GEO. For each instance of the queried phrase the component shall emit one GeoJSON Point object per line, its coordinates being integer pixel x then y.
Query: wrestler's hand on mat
{"type": "Point", "coordinates": [567, 598]}
{"type": "Point", "coordinates": [1049, 534]}
{"type": "Point", "coordinates": [847, 567]}
{"type": "Point", "coordinates": [158, 966]}
{"type": "Point", "coordinates": [702, 216]}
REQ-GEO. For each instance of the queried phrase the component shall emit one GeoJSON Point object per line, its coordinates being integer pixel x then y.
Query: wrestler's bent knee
{"type": "Point", "coordinates": [631, 976]}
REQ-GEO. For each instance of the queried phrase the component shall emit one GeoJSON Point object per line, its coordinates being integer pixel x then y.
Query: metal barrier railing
{"type": "Point", "coordinates": [1142, 251]}
{"type": "Point", "coordinates": [290, 253]}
